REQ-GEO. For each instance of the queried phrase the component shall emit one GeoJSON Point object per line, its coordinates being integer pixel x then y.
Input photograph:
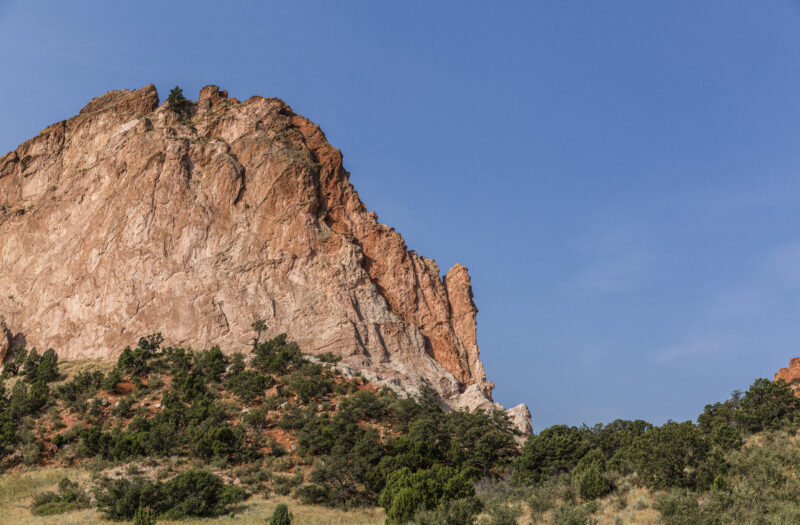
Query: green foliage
{"type": "Point", "coordinates": [69, 497]}
{"type": "Point", "coordinates": [328, 357]}
{"type": "Point", "coordinates": [406, 491]}
{"type": "Point", "coordinates": [195, 493]}
{"type": "Point", "coordinates": [277, 355]}
{"type": "Point", "coordinates": [248, 384]}
{"type": "Point", "coordinates": [766, 405]}
{"type": "Point", "coordinates": [211, 364]}
{"type": "Point", "coordinates": [123, 409]}
{"type": "Point", "coordinates": [554, 451]}
{"type": "Point", "coordinates": [592, 483]}
{"type": "Point", "coordinates": [82, 386]}
{"type": "Point", "coordinates": [112, 380]}
{"type": "Point", "coordinates": [176, 102]}
{"type": "Point", "coordinates": [42, 368]}
{"type": "Point", "coordinates": [15, 366]}
{"type": "Point", "coordinates": [456, 512]}
{"type": "Point", "coordinates": [281, 516]}
{"type": "Point", "coordinates": [570, 514]}
{"type": "Point", "coordinates": [219, 441]}
{"type": "Point", "coordinates": [309, 383]}
{"type": "Point", "coordinates": [679, 507]}
{"type": "Point", "coordinates": [259, 326]}
{"type": "Point", "coordinates": [143, 517]}
{"type": "Point", "coordinates": [669, 456]}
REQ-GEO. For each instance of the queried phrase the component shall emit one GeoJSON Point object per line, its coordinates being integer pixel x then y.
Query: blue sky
{"type": "Point", "coordinates": [621, 178]}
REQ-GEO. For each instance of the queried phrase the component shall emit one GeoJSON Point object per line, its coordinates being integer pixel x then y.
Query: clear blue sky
{"type": "Point", "coordinates": [621, 178]}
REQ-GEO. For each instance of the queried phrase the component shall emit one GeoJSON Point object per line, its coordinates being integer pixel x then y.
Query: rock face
{"type": "Point", "coordinates": [791, 375]}
{"type": "Point", "coordinates": [5, 341]}
{"type": "Point", "coordinates": [129, 219]}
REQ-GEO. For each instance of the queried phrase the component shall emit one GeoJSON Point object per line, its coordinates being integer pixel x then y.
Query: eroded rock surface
{"type": "Point", "coordinates": [130, 219]}
{"type": "Point", "coordinates": [791, 375]}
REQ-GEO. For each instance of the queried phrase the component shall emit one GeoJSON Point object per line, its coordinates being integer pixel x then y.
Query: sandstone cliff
{"type": "Point", "coordinates": [791, 375]}
{"type": "Point", "coordinates": [130, 219]}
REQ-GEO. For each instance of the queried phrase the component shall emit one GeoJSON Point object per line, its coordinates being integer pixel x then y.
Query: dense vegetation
{"type": "Point", "coordinates": [280, 422]}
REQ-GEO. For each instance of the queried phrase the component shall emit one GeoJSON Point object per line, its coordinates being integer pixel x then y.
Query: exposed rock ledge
{"type": "Point", "coordinates": [129, 219]}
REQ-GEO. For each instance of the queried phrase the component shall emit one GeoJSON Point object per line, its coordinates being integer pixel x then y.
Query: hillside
{"type": "Point", "coordinates": [237, 434]}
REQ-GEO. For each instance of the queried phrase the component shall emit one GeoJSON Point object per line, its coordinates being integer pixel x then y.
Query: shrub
{"type": "Point", "coordinates": [592, 483]}
{"type": "Point", "coordinates": [309, 383]}
{"type": "Point", "coordinates": [280, 516]}
{"type": "Point", "coordinates": [277, 355]}
{"type": "Point", "coordinates": [678, 507]}
{"type": "Point", "coordinates": [555, 450]}
{"type": "Point", "coordinates": [248, 385]}
{"type": "Point", "coordinates": [406, 491]}
{"type": "Point", "coordinates": [212, 364]}
{"type": "Point", "coordinates": [123, 409]}
{"type": "Point", "coordinates": [223, 441]}
{"type": "Point", "coordinates": [456, 512]}
{"type": "Point", "coordinates": [143, 517]}
{"type": "Point", "coordinates": [571, 514]}
{"type": "Point", "coordinates": [113, 379]}
{"type": "Point", "coordinates": [192, 493]}
{"type": "Point", "coordinates": [767, 405]}
{"type": "Point", "coordinates": [68, 498]}
{"type": "Point", "coordinates": [669, 455]}
{"type": "Point", "coordinates": [81, 386]}
{"type": "Point", "coordinates": [328, 357]}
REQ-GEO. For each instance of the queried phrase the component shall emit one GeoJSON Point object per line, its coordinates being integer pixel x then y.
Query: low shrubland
{"type": "Point", "coordinates": [172, 433]}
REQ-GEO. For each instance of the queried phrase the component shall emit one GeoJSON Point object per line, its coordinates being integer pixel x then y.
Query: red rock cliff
{"type": "Point", "coordinates": [791, 375]}
{"type": "Point", "coordinates": [128, 219]}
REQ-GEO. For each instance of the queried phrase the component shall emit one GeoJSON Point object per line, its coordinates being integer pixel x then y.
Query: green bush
{"type": "Point", "coordinates": [112, 380]}
{"type": "Point", "coordinates": [143, 517]}
{"type": "Point", "coordinates": [195, 493]}
{"type": "Point", "coordinates": [454, 512]}
{"type": "Point", "coordinates": [679, 507]}
{"type": "Point", "coordinates": [670, 455]}
{"type": "Point", "coordinates": [277, 355]}
{"type": "Point", "coordinates": [280, 516]}
{"type": "Point", "coordinates": [571, 514]}
{"type": "Point", "coordinates": [82, 386]}
{"type": "Point", "coordinates": [212, 364]}
{"type": "Point", "coordinates": [555, 450]}
{"type": "Point", "coordinates": [69, 497]}
{"type": "Point", "coordinates": [248, 384]}
{"type": "Point", "coordinates": [309, 383]}
{"type": "Point", "coordinates": [406, 491]}
{"type": "Point", "coordinates": [328, 357]}
{"type": "Point", "coordinates": [222, 441]}
{"type": "Point", "coordinates": [592, 483]}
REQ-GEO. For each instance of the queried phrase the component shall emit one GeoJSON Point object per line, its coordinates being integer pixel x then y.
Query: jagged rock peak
{"type": "Point", "coordinates": [132, 218]}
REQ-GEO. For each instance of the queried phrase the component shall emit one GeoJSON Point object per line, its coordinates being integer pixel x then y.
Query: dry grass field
{"type": "Point", "coordinates": [17, 490]}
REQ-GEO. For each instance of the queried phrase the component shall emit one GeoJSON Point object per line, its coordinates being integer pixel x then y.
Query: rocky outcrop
{"type": "Point", "coordinates": [130, 218]}
{"type": "Point", "coordinates": [791, 375]}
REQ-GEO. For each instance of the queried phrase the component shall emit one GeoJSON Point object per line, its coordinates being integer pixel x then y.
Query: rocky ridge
{"type": "Point", "coordinates": [131, 218]}
{"type": "Point", "coordinates": [791, 375]}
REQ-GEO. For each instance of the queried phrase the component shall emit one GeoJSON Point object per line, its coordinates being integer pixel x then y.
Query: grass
{"type": "Point", "coordinates": [17, 490]}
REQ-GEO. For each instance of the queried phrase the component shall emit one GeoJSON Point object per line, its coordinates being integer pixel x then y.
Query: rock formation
{"type": "Point", "coordinates": [132, 218]}
{"type": "Point", "coordinates": [791, 375]}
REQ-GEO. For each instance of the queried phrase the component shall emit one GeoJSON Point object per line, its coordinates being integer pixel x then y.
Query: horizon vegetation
{"type": "Point", "coordinates": [172, 433]}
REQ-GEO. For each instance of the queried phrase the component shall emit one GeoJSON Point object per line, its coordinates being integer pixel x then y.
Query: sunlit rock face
{"type": "Point", "coordinates": [131, 218]}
